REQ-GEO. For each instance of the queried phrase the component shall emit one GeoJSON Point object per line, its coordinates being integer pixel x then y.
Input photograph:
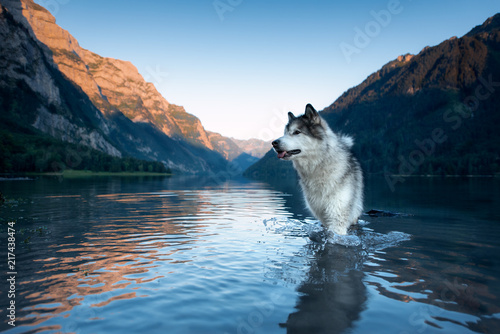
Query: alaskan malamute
{"type": "Point", "coordinates": [330, 176]}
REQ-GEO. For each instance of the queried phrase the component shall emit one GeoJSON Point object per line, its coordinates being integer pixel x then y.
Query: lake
{"type": "Point", "coordinates": [191, 255]}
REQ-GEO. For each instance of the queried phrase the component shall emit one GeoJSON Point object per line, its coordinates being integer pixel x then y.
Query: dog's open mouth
{"type": "Point", "coordinates": [286, 154]}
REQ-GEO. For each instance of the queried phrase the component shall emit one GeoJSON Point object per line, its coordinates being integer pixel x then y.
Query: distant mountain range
{"type": "Point", "coordinates": [50, 86]}
{"type": "Point", "coordinates": [435, 113]}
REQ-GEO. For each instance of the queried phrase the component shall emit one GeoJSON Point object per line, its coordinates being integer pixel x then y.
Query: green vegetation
{"type": "Point", "coordinates": [23, 149]}
{"type": "Point", "coordinates": [71, 173]}
{"type": "Point", "coordinates": [21, 153]}
{"type": "Point", "coordinates": [95, 66]}
{"type": "Point", "coordinates": [397, 134]}
{"type": "Point", "coordinates": [71, 55]}
{"type": "Point", "coordinates": [270, 167]}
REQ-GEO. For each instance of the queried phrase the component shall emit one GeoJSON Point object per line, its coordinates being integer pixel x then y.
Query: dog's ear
{"type": "Point", "coordinates": [311, 113]}
{"type": "Point", "coordinates": [291, 116]}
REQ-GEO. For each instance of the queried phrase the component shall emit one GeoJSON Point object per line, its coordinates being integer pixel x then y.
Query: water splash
{"type": "Point", "coordinates": [286, 226]}
{"type": "Point", "coordinates": [362, 237]}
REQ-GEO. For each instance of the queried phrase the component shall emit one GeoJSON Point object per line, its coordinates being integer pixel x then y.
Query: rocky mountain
{"type": "Point", "coordinates": [111, 84]}
{"type": "Point", "coordinates": [29, 76]}
{"type": "Point", "coordinates": [255, 147]}
{"type": "Point", "coordinates": [51, 86]}
{"type": "Point", "coordinates": [80, 97]}
{"type": "Point", "coordinates": [232, 148]}
{"type": "Point", "coordinates": [431, 113]}
{"type": "Point", "coordinates": [226, 146]}
{"type": "Point", "coordinates": [114, 84]}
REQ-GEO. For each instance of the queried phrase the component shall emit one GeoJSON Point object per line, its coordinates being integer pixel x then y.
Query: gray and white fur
{"type": "Point", "coordinates": [330, 176]}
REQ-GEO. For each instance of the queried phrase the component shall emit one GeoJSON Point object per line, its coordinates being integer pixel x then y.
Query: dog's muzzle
{"type": "Point", "coordinates": [283, 154]}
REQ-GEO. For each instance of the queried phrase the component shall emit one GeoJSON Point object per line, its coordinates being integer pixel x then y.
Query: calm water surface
{"type": "Point", "coordinates": [184, 255]}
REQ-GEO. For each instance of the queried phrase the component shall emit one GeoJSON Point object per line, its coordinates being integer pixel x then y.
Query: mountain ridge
{"type": "Point", "coordinates": [119, 85]}
{"type": "Point", "coordinates": [49, 102]}
{"type": "Point", "coordinates": [452, 88]}
{"type": "Point", "coordinates": [116, 97]}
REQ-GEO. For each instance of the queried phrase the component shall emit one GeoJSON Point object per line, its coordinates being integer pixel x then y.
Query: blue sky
{"type": "Point", "coordinates": [241, 65]}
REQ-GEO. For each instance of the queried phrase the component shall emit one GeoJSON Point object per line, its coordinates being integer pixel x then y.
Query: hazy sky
{"type": "Point", "coordinates": [241, 65]}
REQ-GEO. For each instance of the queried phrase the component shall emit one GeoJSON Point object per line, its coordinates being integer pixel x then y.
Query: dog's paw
{"type": "Point", "coordinates": [317, 236]}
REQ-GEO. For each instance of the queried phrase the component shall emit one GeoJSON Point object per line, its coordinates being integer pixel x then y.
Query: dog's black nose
{"type": "Point", "coordinates": [276, 143]}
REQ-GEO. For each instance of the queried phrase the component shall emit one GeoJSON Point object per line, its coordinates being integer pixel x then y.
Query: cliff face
{"type": "Point", "coordinates": [23, 59]}
{"type": "Point", "coordinates": [48, 82]}
{"type": "Point", "coordinates": [226, 146]}
{"type": "Point", "coordinates": [114, 85]}
{"type": "Point", "coordinates": [111, 84]}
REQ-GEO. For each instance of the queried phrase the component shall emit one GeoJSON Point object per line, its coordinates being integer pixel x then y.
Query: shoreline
{"type": "Point", "coordinates": [70, 173]}
{"type": "Point", "coordinates": [444, 176]}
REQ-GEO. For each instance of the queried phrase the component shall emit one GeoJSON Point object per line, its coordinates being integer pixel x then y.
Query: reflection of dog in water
{"type": "Point", "coordinates": [330, 176]}
{"type": "Point", "coordinates": [333, 294]}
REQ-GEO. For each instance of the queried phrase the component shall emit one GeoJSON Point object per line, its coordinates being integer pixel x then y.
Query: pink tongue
{"type": "Point", "coordinates": [281, 155]}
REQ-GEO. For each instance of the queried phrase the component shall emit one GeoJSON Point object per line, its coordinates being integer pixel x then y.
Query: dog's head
{"type": "Point", "coordinates": [302, 135]}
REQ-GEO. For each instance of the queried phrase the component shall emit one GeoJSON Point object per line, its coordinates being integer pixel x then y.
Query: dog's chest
{"type": "Point", "coordinates": [317, 190]}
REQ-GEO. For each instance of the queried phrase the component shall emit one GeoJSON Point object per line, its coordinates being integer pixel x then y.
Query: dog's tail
{"type": "Point", "coordinates": [347, 140]}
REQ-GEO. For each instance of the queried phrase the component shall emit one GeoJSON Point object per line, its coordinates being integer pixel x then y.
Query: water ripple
{"type": "Point", "coordinates": [120, 256]}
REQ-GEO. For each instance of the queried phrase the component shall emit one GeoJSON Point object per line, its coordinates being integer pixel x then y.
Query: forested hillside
{"type": "Point", "coordinates": [435, 113]}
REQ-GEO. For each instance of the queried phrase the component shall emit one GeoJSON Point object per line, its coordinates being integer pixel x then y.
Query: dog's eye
{"type": "Point", "coordinates": [296, 132]}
